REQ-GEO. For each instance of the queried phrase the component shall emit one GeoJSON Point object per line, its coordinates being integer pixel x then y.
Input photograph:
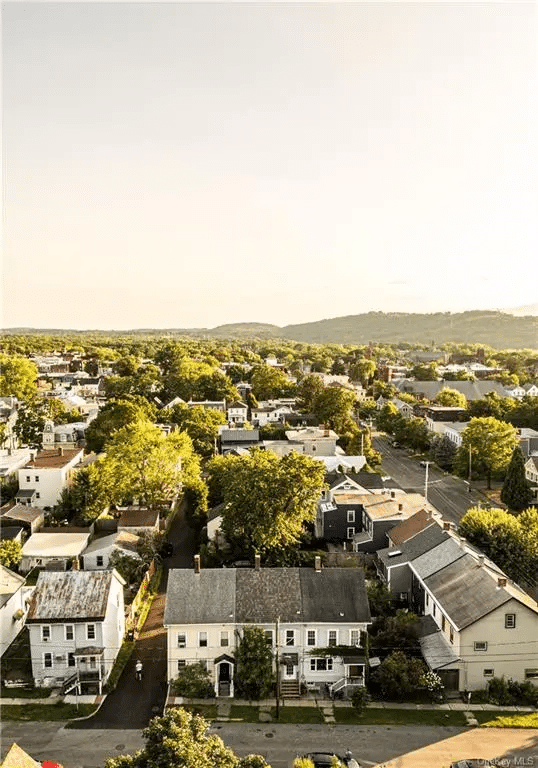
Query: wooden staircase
{"type": "Point", "coordinates": [289, 689]}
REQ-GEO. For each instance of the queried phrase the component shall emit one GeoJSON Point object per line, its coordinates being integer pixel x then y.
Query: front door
{"type": "Point", "coordinates": [289, 671]}
{"type": "Point", "coordinates": [224, 672]}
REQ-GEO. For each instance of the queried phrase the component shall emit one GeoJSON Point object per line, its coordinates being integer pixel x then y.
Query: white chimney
{"type": "Point", "coordinates": [481, 559]}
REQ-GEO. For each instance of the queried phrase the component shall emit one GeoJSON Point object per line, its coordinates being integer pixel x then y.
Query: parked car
{"type": "Point", "coordinates": [396, 444]}
{"type": "Point", "coordinates": [473, 762]}
{"type": "Point", "coordinates": [167, 549]}
{"type": "Point", "coordinates": [326, 759]}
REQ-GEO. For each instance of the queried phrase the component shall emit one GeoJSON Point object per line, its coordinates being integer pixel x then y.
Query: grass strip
{"type": "Point", "coordinates": [25, 693]}
{"type": "Point", "coordinates": [245, 713]}
{"type": "Point", "coordinates": [507, 719]}
{"type": "Point", "coordinates": [371, 716]}
{"type": "Point", "coordinates": [292, 715]}
{"type": "Point", "coordinates": [122, 658]}
{"type": "Point", "coordinates": [52, 712]}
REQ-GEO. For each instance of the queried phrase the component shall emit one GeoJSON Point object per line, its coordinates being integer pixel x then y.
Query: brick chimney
{"type": "Point", "coordinates": [501, 582]}
{"type": "Point", "coordinates": [446, 525]}
{"type": "Point", "coordinates": [400, 508]}
{"type": "Point", "coordinates": [196, 563]}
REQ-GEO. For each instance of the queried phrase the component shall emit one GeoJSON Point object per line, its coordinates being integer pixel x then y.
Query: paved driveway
{"type": "Point", "coordinates": [133, 703]}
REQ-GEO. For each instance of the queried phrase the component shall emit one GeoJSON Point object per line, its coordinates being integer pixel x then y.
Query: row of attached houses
{"type": "Point", "coordinates": [299, 609]}
{"type": "Point", "coordinates": [476, 623]}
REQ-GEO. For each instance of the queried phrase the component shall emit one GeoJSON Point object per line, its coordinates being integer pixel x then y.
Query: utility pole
{"type": "Point", "coordinates": [277, 659]}
{"type": "Point", "coordinates": [470, 458]}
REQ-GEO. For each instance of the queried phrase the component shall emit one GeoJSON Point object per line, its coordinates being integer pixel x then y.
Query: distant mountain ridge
{"type": "Point", "coordinates": [492, 327]}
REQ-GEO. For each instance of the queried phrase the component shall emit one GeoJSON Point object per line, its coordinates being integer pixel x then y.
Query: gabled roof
{"type": "Point", "coordinates": [466, 591]}
{"type": "Point", "coordinates": [251, 596]}
{"type": "Point", "coordinates": [60, 545]}
{"type": "Point", "coordinates": [18, 758]}
{"type": "Point", "coordinates": [121, 539]}
{"type": "Point", "coordinates": [367, 480]}
{"type": "Point", "coordinates": [239, 436]}
{"type": "Point", "coordinates": [24, 513]}
{"type": "Point", "coordinates": [9, 584]}
{"type": "Point", "coordinates": [439, 557]}
{"type": "Point", "coordinates": [425, 540]}
{"type": "Point", "coordinates": [238, 404]}
{"type": "Point", "coordinates": [404, 505]}
{"type": "Point", "coordinates": [73, 595]}
{"type": "Point", "coordinates": [410, 527]}
{"type": "Point", "coordinates": [134, 517]}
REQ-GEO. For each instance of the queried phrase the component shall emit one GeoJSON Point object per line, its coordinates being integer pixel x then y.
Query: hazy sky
{"type": "Point", "coordinates": [192, 164]}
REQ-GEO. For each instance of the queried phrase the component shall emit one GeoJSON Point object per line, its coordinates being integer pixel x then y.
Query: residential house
{"type": "Point", "coordinates": [31, 518]}
{"type": "Point", "coordinates": [237, 412]}
{"type": "Point", "coordinates": [528, 441]}
{"type": "Point", "coordinates": [436, 416]}
{"type": "Point", "coordinates": [531, 390]}
{"type": "Point", "coordinates": [53, 550]}
{"type": "Point", "coordinates": [299, 609]}
{"type": "Point", "coordinates": [66, 436]}
{"type": "Point", "coordinates": [86, 386]}
{"type": "Point", "coordinates": [217, 405]}
{"type": "Point", "coordinates": [231, 439]}
{"type": "Point", "coordinates": [244, 389]}
{"type": "Point", "coordinates": [97, 554]}
{"type": "Point", "coordinates": [12, 459]}
{"type": "Point", "coordinates": [516, 392]}
{"type": "Point", "coordinates": [473, 390]}
{"type": "Point", "coordinates": [76, 623]}
{"type": "Point", "coordinates": [404, 409]}
{"type": "Point", "coordinates": [13, 606]}
{"type": "Point", "coordinates": [340, 462]}
{"type": "Point", "coordinates": [381, 514]}
{"type": "Point", "coordinates": [137, 520]}
{"type": "Point", "coordinates": [315, 441]}
{"type": "Point", "coordinates": [48, 473]}
{"type": "Point", "coordinates": [360, 482]}
{"type": "Point", "coordinates": [531, 473]}
{"type": "Point", "coordinates": [453, 431]}
{"type": "Point", "coordinates": [270, 414]}
{"type": "Point", "coordinates": [473, 614]}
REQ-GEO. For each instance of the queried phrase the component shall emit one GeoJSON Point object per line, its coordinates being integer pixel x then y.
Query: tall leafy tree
{"type": "Point", "coordinates": [516, 491]}
{"type": "Point", "coordinates": [268, 382]}
{"type": "Point", "coordinates": [10, 552]}
{"type": "Point", "coordinates": [201, 424]}
{"type": "Point", "coordinates": [268, 500]}
{"type": "Point", "coordinates": [18, 377]}
{"type": "Point", "coordinates": [254, 665]}
{"type": "Point", "coordinates": [333, 407]}
{"type": "Point", "coordinates": [451, 398]}
{"type": "Point", "coordinates": [30, 423]}
{"type": "Point", "coordinates": [148, 465]}
{"type": "Point", "coordinates": [178, 739]}
{"type": "Point", "coordinates": [487, 445]}
{"type": "Point", "coordinates": [115, 415]}
{"type": "Point", "coordinates": [308, 390]}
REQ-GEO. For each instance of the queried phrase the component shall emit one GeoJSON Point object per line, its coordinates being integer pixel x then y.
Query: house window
{"type": "Point", "coordinates": [489, 673]}
{"type": "Point", "coordinates": [223, 639]}
{"type": "Point", "coordinates": [47, 660]}
{"type": "Point", "coordinates": [269, 636]}
{"type": "Point", "coordinates": [351, 515]}
{"type": "Point", "coordinates": [311, 637]}
{"type": "Point", "coordinates": [202, 639]}
{"type": "Point", "coordinates": [531, 673]}
{"type": "Point", "coordinates": [434, 609]}
{"type": "Point", "coordinates": [37, 495]}
{"type": "Point", "coordinates": [321, 665]}
{"type": "Point", "coordinates": [427, 599]}
{"type": "Point", "coordinates": [69, 632]}
{"type": "Point", "coordinates": [90, 631]}
{"type": "Point", "coordinates": [181, 640]}
{"type": "Point", "coordinates": [350, 533]}
{"type": "Point", "coordinates": [181, 664]}
{"type": "Point", "coordinates": [333, 637]}
{"type": "Point", "coordinates": [100, 561]}
{"type": "Point", "coordinates": [45, 633]}
{"type": "Point", "coordinates": [290, 637]}
{"type": "Point", "coordinates": [37, 478]}
{"type": "Point", "coordinates": [28, 480]}
{"type": "Point", "coordinates": [510, 620]}
{"type": "Point", "coordinates": [93, 663]}
{"type": "Point", "coordinates": [452, 635]}
{"type": "Point", "coordinates": [443, 622]}
{"type": "Point", "coordinates": [481, 645]}
{"type": "Point", "coordinates": [71, 660]}
{"type": "Point", "coordinates": [355, 637]}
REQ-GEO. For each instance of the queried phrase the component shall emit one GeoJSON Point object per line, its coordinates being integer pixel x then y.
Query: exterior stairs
{"type": "Point", "coordinates": [289, 689]}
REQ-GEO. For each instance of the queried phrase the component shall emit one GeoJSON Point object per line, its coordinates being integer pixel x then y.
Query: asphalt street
{"type": "Point", "coordinates": [449, 495]}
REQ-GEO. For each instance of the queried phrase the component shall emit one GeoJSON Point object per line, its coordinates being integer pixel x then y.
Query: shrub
{"type": "Point", "coordinates": [360, 699]}
{"type": "Point", "coordinates": [193, 682]}
{"type": "Point", "coordinates": [433, 685]}
{"type": "Point", "coordinates": [498, 692]}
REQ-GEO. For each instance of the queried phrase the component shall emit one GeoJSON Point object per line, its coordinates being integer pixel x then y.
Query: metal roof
{"type": "Point", "coordinates": [73, 595]}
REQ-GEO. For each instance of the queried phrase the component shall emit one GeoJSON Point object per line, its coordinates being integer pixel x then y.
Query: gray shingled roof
{"type": "Point", "coordinates": [423, 542]}
{"type": "Point", "coordinates": [439, 557]}
{"type": "Point", "coordinates": [250, 596]}
{"type": "Point", "coordinates": [466, 591]}
{"type": "Point", "coordinates": [70, 595]}
{"type": "Point", "coordinates": [207, 597]}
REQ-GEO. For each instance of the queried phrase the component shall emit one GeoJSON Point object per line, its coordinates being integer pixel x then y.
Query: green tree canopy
{"type": "Point", "coordinates": [178, 739]}
{"type": "Point", "coordinates": [451, 398]}
{"type": "Point", "coordinates": [18, 377]}
{"type": "Point", "coordinates": [115, 415]}
{"type": "Point", "coordinates": [10, 552]}
{"type": "Point", "coordinates": [254, 665]}
{"type": "Point", "coordinates": [30, 423]}
{"type": "Point", "coordinates": [268, 382]}
{"type": "Point", "coordinates": [201, 424]}
{"type": "Point", "coordinates": [488, 444]}
{"type": "Point", "coordinates": [309, 389]}
{"type": "Point", "coordinates": [267, 499]}
{"type": "Point", "coordinates": [516, 492]}
{"type": "Point", "coordinates": [333, 407]}
{"type": "Point", "coordinates": [147, 465]}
